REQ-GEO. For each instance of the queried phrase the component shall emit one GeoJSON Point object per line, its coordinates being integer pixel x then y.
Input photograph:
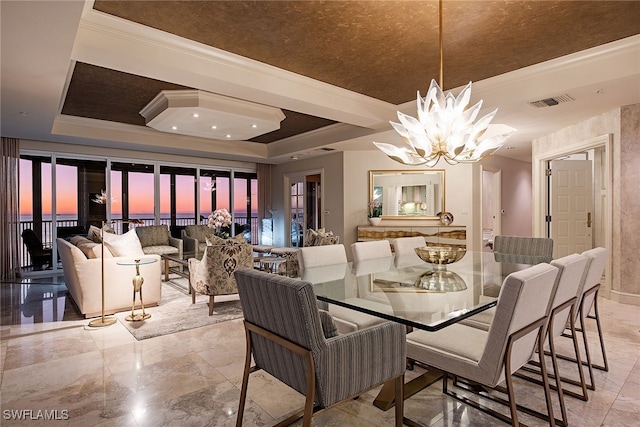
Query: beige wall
{"type": "Point", "coordinates": [330, 166]}
{"type": "Point", "coordinates": [346, 193]}
{"type": "Point", "coordinates": [623, 126]}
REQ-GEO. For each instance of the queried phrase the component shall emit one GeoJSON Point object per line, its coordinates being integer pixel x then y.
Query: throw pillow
{"type": "Point", "coordinates": [126, 244]}
{"type": "Point", "coordinates": [94, 232]}
{"type": "Point", "coordinates": [329, 328]}
{"type": "Point", "coordinates": [215, 240]}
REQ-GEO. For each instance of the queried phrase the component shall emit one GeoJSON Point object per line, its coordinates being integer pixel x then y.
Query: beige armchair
{"type": "Point", "coordinates": [194, 238]}
{"type": "Point", "coordinates": [155, 239]}
{"type": "Point", "coordinates": [213, 275]}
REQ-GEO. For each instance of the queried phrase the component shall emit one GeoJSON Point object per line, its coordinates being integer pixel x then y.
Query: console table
{"type": "Point", "coordinates": [450, 235]}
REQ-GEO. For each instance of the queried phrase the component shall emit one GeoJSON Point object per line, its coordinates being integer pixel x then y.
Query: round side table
{"type": "Point", "coordinates": [138, 280]}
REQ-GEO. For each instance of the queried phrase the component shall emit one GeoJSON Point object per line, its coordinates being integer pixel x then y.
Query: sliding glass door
{"type": "Point", "coordinates": [62, 197]}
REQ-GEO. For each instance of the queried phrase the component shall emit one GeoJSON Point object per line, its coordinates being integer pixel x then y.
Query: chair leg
{"type": "Point", "coordinates": [513, 408]}
{"type": "Point", "coordinates": [311, 391]}
{"type": "Point", "coordinates": [245, 379]}
{"type": "Point", "coordinates": [399, 389]}
{"type": "Point", "coordinates": [596, 317]}
{"type": "Point", "coordinates": [577, 361]}
{"type": "Point", "coordinates": [585, 341]}
{"type": "Point", "coordinates": [554, 362]}
{"type": "Point", "coordinates": [545, 380]}
{"type": "Point", "coordinates": [211, 305]}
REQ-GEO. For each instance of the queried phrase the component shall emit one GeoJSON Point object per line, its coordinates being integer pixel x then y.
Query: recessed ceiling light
{"type": "Point", "coordinates": [254, 125]}
{"type": "Point", "coordinates": [195, 115]}
{"type": "Point", "coordinates": [294, 157]}
{"type": "Point", "coordinates": [228, 136]}
{"type": "Point", "coordinates": [214, 127]}
{"type": "Point", "coordinates": [174, 127]}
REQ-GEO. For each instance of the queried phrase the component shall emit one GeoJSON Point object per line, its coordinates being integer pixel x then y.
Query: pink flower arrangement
{"type": "Point", "coordinates": [218, 219]}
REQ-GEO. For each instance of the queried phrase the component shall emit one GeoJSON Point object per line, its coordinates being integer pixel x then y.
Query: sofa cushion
{"type": "Point", "coordinates": [90, 248]}
{"type": "Point", "coordinates": [94, 232]}
{"type": "Point", "coordinates": [85, 245]}
{"type": "Point", "coordinates": [160, 250]}
{"type": "Point", "coordinates": [199, 232]}
{"type": "Point", "coordinates": [126, 244]}
{"type": "Point", "coordinates": [153, 235]}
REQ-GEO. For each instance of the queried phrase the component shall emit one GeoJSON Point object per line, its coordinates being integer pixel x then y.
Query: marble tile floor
{"type": "Point", "coordinates": [51, 361]}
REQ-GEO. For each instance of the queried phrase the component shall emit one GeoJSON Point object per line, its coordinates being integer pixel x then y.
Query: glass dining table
{"type": "Point", "coordinates": [412, 292]}
{"type": "Point", "coordinates": [420, 295]}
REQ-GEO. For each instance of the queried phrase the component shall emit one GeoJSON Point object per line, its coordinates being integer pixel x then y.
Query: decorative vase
{"type": "Point", "coordinates": [375, 220]}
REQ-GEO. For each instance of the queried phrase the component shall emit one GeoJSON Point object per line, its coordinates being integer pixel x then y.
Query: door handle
{"type": "Point", "coordinates": [589, 219]}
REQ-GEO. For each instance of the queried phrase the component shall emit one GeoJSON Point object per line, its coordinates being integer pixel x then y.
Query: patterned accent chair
{"type": "Point", "coordinates": [194, 238]}
{"type": "Point", "coordinates": [286, 338]}
{"type": "Point", "coordinates": [155, 239]}
{"type": "Point", "coordinates": [213, 275]}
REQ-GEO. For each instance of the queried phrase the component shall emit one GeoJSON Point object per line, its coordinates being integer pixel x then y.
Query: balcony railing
{"type": "Point", "coordinates": [46, 227]}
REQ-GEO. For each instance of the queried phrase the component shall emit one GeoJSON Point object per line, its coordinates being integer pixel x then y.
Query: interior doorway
{"type": "Point", "coordinates": [570, 205]}
{"type": "Point", "coordinates": [599, 150]}
{"type": "Point", "coordinates": [491, 206]}
{"type": "Point", "coordinates": [305, 205]}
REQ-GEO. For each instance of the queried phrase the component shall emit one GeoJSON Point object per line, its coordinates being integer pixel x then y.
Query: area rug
{"type": "Point", "coordinates": [175, 313]}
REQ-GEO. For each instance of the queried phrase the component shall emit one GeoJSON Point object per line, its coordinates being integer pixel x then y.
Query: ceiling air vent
{"type": "Point", "coordinates": [550, 102]}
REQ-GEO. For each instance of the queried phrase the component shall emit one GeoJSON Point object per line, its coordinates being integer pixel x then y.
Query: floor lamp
{"type": "Point", "coordinates": [102, 320]}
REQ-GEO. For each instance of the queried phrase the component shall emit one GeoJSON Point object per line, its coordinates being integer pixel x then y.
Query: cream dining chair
{"type": "Point", "coordinates": [490, 357]}
{"type": "Point", "coordinates": [404, 248]}
{"type": "Point", "coordinates": [326, 264]}
{"type": "Point", "coordinates": [588, 301]}
{"type": "Point", "coordinates": [371, 249]}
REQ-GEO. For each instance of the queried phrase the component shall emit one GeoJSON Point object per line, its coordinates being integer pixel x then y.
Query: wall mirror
{"type": "Point", "coordinates": [415, 194]}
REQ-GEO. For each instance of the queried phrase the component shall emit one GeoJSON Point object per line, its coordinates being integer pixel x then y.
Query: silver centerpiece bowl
{"type": "Point", "coordinates": [440, 256]}
{"type": "Point", "coordinates": [439, 279]}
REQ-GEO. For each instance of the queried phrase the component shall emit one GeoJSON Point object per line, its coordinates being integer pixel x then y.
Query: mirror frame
{"type": "Point", "coordinates": [440, 172]}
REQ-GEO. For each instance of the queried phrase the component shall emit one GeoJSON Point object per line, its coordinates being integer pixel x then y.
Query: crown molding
{"type": "Point", "coordinates": [111, 42]}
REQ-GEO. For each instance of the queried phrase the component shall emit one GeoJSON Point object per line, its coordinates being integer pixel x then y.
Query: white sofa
{"type": "Point", "coordinates": [82, 275]}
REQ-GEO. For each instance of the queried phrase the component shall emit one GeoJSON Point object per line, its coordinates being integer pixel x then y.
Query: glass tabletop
{"type": "Point", "coordinates": [141, 261]}
{"type": "Point", "coordinates": [410, 291]}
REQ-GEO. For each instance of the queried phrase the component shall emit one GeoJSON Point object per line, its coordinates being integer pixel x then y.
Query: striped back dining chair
{"type": "Point", "coordinates": [523, 250]}
{"type": "Point", "coordinates": [295, 342]}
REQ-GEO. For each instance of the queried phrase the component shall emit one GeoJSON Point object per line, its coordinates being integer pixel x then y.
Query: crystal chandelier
{"type": "Point", "coordinates": [445, 128]}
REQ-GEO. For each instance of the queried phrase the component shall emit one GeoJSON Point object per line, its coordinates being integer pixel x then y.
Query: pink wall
{"type": "Point", "coordinates": [517, 200]}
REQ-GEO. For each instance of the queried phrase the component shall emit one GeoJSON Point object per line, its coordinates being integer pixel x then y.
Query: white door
{"type": "Point", "coordinates": [571, 206]}
{"type": "Point", "coordinates": [491, 207]}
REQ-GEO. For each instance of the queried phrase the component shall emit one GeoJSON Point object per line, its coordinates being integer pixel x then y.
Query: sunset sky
{"type": "Point", "coordinates": [141, 193]}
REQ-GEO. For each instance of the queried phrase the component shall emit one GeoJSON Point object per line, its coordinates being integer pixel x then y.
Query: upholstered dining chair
{"type": "Point", "coordinates": [318, 256]}
{"type": "Point", "coordinates": [213, 275]}
{"type": "Point", "coordinates": [371, 249]}
{"type": "Point", "coordinates": [292, 340]}
{"type": "Point", "coordinates": [404, 248]}
{"type": "Point", "coordinates": [490, 357]}
{"type": "Point", "coordinates": [572, 270]}
{"type": "Point", "coordinates": [523, 250]}
{"type": "Point", "coordinates": [588, 301]}
{"type": "Point", "coordinates": [322, 264]}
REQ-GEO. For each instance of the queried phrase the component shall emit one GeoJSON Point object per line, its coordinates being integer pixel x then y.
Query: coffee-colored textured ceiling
{"type": "Point", "coordinates": [383, 49]}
